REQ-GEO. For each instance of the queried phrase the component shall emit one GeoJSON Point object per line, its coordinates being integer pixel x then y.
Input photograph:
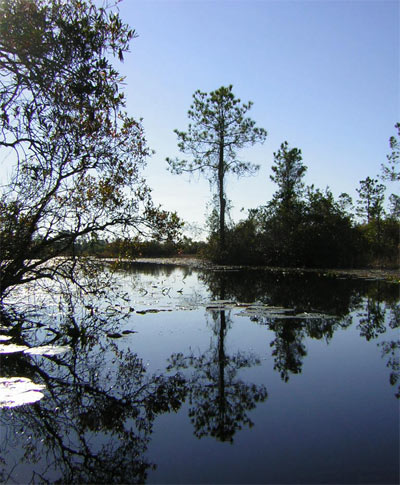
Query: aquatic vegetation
{"type": "Point", "coordinates": [17, 391]}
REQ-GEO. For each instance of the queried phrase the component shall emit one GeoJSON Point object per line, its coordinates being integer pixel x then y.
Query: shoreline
{"type": "Point", "coordinates": [390, 275]}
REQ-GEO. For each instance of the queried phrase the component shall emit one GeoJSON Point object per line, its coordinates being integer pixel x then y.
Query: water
{"type": "Point", "coordinates": [212, 377]}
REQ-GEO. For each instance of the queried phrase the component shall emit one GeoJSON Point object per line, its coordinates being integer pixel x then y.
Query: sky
{"type": "Point", "coordinates": [322, 74]}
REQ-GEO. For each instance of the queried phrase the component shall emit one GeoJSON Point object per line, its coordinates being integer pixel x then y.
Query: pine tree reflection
{"type": "Point", "coordinates": [288, 349]}
{"type": "Point", "coordinates": [391, 349]}
{"type": "Point", "coordinates": [372, 319]}
{"type": "Point", "coordinates": [220, 401]}
{"type": "Point", "coordinates": [288, 346]}
{"type": "Point", "coordinates": [374, 304]}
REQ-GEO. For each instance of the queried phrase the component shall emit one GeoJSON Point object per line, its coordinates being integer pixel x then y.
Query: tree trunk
{"type": "Point", "coordinates": [222, 432]}
{"type": "Point", "coordinates": [222, 202]}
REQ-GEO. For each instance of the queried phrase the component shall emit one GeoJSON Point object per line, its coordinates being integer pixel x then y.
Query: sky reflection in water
{"type": "Point", "coordinates": [200, 392]}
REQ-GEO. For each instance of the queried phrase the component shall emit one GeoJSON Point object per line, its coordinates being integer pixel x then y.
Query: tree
{"type": "Point", "coordinates": [327, 235]}
{"type": "Point", "coordinates": [74, 156]}
{"type": "Point", "coordinates": [395, 206]}
{"type": "Point", "coordinates": [392, 170]}
{"type": "Point", "coordinates": [380, 233]}
{"type": "Point", "coordinates": [345, 204]}
{"type": "Point", "coordinates": [371, 197]}
{"type": "Point", "coordinates": [288, 171]}
{"type": "Point", "coordinates": [281, 217]}
{"type": "Point", "coordinates": [219, 129]}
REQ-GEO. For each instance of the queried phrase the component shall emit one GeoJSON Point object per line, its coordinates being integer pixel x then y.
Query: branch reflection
{"type": "Point", "coordinates": [95, 422]}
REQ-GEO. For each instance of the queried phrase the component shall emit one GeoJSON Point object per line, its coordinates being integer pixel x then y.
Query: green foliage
{"type": "Point", "coordinates": [395, 206]}
{"type": "Point", "coordinates": [244, 242]}
{"type": "Point", "coordinates": [391, 172]}
{"type": "Point", "coordinates": [329, 238]}
{"type": "Point", "coordinates": [288, 171]}
{"type": "Point", "coordinates": [219, 128]}
{"type": "Point", "coordinates": [371, 198]}
{"type": "Point", "coordinates": [318, 235]}
{"type": "Point", "coordinates": [305, 227]}
{"type": "Point", "coordinates": [137, 248]}
{"type": "Point", "coordinates": [381, 242]}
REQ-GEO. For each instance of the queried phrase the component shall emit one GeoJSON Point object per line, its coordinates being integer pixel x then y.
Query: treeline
{"type": "Point", "coordinates": [307, 227]}
{"type": "Point", "coordinates": [316, 231]}
{"type": "Point", "coordinates": [301, 226]}
{"type": "Point", "coordinates": [137, 248]}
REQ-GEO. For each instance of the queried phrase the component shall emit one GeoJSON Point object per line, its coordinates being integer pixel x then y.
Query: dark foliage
{"type": "Point", "coordinates": [306, 227]}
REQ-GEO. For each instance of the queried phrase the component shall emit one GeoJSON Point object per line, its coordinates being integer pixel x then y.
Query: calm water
{"type": "Point", "coordinates": [218, 377]}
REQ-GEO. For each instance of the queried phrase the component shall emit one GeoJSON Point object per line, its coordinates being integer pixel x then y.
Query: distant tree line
{"type": "Point", "coordinates": [139, 248]}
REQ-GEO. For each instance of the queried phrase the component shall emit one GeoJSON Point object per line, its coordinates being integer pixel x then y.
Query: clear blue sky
{"type": "Point", "coordinates": [323, 75]}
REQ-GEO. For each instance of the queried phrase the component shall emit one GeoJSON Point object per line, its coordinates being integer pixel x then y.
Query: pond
{"type": "Point", "coordinates": [207, 377]}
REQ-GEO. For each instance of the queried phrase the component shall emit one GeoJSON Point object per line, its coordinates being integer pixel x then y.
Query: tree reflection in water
{"type": "Point", "coordinates": [288, 346]}
{"type": "Point", "coordinates": [219, 400]}
{"type": "Point", "coordinates": [374, 303]}
{"type": "Point", "coordinates": [95, 422]}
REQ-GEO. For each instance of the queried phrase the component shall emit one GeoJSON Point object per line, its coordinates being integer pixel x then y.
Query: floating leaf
{"type": "Point", "coordinates": [16, 391]}
{"type": "Point", "coordinates": [314, 315]}
{"type": "Point", "coordinates": [153, 310]}
{"type": "Point", "coordinates": [114, 335]}
{"type": "Point", "coordinates": [12, 348]}
{"type": "Point", "coordinates": [48, 350]}
{"type": "Point", "coordinates": [280, 316]}
{"type": "Point", "coordinates": [258, 310]}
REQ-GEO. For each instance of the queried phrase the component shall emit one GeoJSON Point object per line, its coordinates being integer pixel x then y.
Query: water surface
{"type": "Point", "coordinates": [210, 377]}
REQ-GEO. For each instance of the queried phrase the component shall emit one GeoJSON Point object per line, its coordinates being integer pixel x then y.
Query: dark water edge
{"type": "Point", "coordinates": [374, 273]}
{"type": "Point", "coordinates": [228, 376]}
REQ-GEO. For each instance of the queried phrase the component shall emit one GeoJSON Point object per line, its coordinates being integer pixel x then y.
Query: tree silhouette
{"type": "Point", "coordinates": [288, 172]}
{"type": "Point", "coordinates": [371, 197]}
{"type": "Point", "coordinates": [72, 156]}
{"type": "Point", "coordinates": [220, 127]}
{"type": "Point", "coordinates": [391, 171]}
